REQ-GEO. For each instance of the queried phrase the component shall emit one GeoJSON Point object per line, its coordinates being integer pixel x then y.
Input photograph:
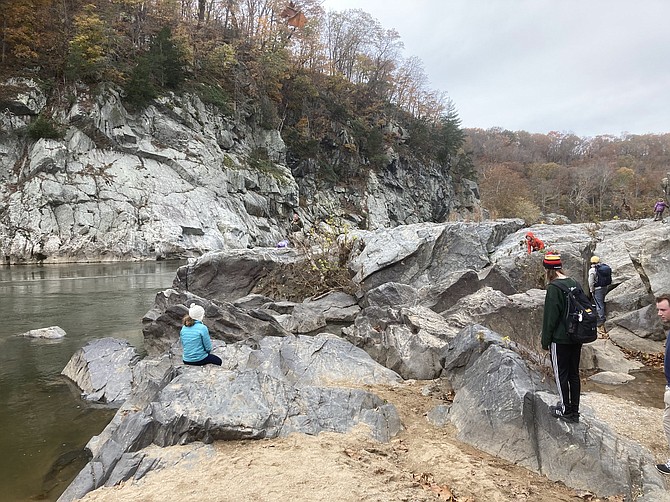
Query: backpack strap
{"type": "Point", "coordinates": [560, 286]}
{"type": "Point", "coordinates": [567, 292]}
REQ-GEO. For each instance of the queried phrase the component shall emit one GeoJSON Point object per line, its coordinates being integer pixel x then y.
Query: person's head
{"type": "Point", "coordinates": [552, 264]}
{"type": "Point", "coordinates": [195, 313]}
{"type": "Point", "coordinates": [663, 307]}
{"type": "Point", "coordinates": [296, 216]}
{"type": "Point", "coordinates": [529, 236]}
{"type": "Point", "coordinates": [595, 260]}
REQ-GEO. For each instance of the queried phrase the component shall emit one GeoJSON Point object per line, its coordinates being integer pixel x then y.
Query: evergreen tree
{"type": "Point", "coordinates": [165, 61]}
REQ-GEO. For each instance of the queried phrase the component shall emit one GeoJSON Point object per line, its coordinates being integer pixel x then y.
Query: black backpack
{"type": "Point", "coordinates": [603, 274]}
{"type": "Point", "coordinates": [581, 318]}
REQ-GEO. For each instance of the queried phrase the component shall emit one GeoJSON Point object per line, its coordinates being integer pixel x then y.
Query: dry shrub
{"type": "Point", "coordinates": [326, 249]}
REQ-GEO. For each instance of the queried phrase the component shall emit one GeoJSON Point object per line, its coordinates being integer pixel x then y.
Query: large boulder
{"type": "Point", "coordinates": [502, 407]}
{"type": "Point", "coordinates": [329, 313]}
{"type": "Point", "coordinates": [426, 253]}
{"type": "Point", "coordinates": [408, 340]}
{"type": "Point", "coordinates": [103, 370]}
{"type": "Point", "coordinates": [231, 274]}
{"type": "Point", "coordinates": [293, 384]}
{"type": "Point", "coordinates": [518, 317]}
{"type": "Point", "coordinates": [161, 324]}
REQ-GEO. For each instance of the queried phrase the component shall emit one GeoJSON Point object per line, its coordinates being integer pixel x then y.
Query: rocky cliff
{"type": "Point", "coordinates": [178, 179]}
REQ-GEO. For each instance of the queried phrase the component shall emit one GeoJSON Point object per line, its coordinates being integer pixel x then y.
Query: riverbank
{"type": "Point", "coordinates": [423, 463]}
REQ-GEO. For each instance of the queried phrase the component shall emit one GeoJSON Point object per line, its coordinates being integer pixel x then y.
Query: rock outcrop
{"type": "Point", "coordinates": [294, 384]}
{"type": "Point", "coordinates": [177, 180]}
{"type": "Point", "coordinates": [453, 301]}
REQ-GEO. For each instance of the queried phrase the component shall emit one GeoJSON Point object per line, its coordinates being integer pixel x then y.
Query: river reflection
{"type": "Point", "coordinates": [44, 424]}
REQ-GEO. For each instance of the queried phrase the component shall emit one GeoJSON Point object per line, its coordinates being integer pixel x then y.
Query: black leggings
{"type": "Point", "coordinates": [210, 359]}
{"type": "Point", "coordinates": [565, 361]}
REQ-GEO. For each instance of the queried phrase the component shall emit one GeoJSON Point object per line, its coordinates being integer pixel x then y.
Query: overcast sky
{"type": "Point", "coordinates": [586, 67]}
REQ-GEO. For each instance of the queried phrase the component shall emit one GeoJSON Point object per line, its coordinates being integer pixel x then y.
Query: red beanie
{"type": "Point", "coordinates": [552, 261]}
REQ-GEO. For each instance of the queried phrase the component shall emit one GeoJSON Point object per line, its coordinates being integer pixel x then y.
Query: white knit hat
{"type": "Point", "coordinates": [196, 312]}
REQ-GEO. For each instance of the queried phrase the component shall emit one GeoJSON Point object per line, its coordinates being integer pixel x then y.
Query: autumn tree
{"type": "Point", "coordinates": [545, 186]}
{"type": "Point", "coordinates": [506, 194]}
{"type": "Point", "coordinates": [90, 51]}
{"type": "Point", "coordinates": [33, 33]}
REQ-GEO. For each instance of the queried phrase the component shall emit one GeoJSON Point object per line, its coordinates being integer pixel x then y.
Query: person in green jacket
{"type": "Point", "coordinates": [564, 353]}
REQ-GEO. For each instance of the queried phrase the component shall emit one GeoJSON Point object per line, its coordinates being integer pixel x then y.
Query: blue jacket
{"type": "Point", "coordinates": [196, 342]}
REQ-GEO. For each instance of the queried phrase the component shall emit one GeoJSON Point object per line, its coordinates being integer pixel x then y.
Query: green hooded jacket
{"type": "Point", "coordinates": [555, 306]}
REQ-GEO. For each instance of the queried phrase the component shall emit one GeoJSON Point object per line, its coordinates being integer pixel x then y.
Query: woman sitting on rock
{"type": "Point", "coordinates": [195, 341]}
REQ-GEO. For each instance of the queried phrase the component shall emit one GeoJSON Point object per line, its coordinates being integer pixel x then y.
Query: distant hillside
{"type": "Point", "coordinates": [587, 179]}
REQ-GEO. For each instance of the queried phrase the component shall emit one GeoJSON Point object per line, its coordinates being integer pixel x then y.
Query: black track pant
{"type": "Point", "coordinates": [565, 361]}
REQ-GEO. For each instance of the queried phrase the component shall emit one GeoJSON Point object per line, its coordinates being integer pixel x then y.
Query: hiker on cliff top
{"type": "Point", "coordinates": [533, 243]}
{"type": "Point", "coordinates": [660, 206]}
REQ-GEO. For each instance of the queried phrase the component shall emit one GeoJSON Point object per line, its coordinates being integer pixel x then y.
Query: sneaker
{"type": "Point", "coordinates": [664, 468]}
{"type": "Point", "coordinates": [557, 412]}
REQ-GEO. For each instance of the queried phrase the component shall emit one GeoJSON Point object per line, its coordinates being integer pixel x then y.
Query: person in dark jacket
{"type": "Point", "coordinates": [564, 353]}
{"type": "Point", "coordinates": [598, 293]}
{"type": "Point", "coordinates": [195, 340]}
{"type": "Point", "coordinates": [663, 309]}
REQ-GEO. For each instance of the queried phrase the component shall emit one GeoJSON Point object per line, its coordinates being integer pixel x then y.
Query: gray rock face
{"type": "Point", "coordinates": [328, 313]}
{"type": "Point", "coordinates": [501, 406]}
{"type": "Point", "coordinates": [231, 274]}
{"type": "Point", "coordinates": [175, 181]}
{"type": "Point", "coordinates": [102, 369]}
{"type": "Point", "coordinates": [409, 340]}
{"type": "Point", "coordinates": [161, 325]}
{"type": "Point", "coordinates": [451, 301]}
{"type": "Point", "coordinates": [293, 384]}
{"type": "Point", "coordinates": [424, 254]}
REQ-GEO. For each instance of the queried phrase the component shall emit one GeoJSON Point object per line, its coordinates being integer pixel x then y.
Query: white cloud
{"type": "Point", "coordinates": [588, 67]}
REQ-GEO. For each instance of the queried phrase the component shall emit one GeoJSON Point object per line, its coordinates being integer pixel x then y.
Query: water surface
{"type": "Point", "coordinates": [44, 424]}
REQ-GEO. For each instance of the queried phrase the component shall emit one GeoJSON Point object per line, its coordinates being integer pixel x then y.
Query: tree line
{"type": "Point", "coordinates": [302, 77]}
{"type": "Point", "coordinates": [97, 40]}
{"type": "Point", "coordinates": [586, 179]}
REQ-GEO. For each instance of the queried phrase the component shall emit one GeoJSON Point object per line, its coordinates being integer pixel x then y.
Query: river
{"type": "Point", "coordinates": [44, 423]}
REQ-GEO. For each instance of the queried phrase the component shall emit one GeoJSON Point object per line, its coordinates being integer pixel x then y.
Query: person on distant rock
{"type": "Point", "coordinates": [600, 277]}
{"type": "Point", "coordinates": [297, 236]}
{"type": "Point", "coordinates": [296, 223]}
{"type": "Point", "coordinates": [660, 206]}
{"type": "Point", "coordinates": [663, 309]}
{"type": "Point", "coordinates": [195, 341]}
{"type": "Point", "coordinates": [564, 353]}
{"type": "Point", "coordinates": [533, 243]}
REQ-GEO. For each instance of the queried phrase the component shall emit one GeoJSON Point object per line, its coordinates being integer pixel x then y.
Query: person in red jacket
{"type": "Point", "coordinates": [533, 243]}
